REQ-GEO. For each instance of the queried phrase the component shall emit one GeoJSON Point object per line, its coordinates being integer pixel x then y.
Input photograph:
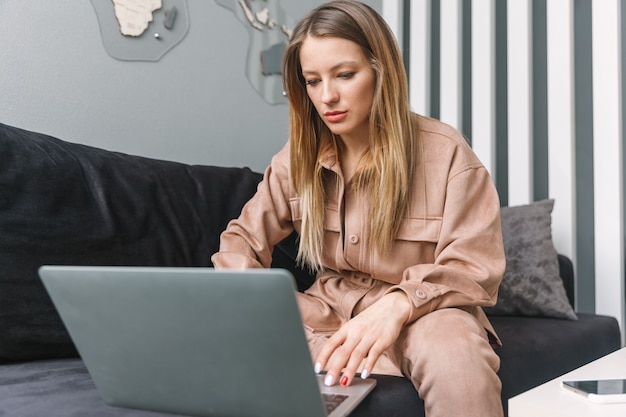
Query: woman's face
{"type": "Point", "coordinates": [340, 83]}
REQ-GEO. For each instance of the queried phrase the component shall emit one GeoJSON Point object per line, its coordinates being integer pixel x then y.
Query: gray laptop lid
{"type": "Point", "coordinates": [190, 340]}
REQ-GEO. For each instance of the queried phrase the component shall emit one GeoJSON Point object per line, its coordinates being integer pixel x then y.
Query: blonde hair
{"type": "Point", "coordinates": [386, 170]}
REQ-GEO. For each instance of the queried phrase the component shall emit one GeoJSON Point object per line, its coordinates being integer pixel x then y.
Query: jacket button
{"type": "Point", "coordinates": [354, 239]}
{"type": "Point", "coordinates": [420, 294]}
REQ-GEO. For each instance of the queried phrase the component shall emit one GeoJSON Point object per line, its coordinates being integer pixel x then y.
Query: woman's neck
{"type": "Point", "coordinates": [350, 154]}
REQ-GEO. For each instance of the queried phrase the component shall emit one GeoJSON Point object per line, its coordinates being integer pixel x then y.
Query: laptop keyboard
{"type": "Point", "coordinates": [332, 401]}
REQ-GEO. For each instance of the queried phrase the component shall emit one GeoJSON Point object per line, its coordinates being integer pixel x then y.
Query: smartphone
{"type": "Point", "coordinates": [600, 390]}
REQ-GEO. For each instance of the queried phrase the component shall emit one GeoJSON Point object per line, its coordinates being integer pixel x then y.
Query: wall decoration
{"type": "Point", "coordinates": [141, 30]}
{"type": "Point", "coordinates": [269, 28]}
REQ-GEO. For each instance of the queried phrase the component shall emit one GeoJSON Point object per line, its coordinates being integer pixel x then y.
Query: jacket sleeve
{"type": "Point", "coordinates": [265, 220]}
{"type": "Point", "coordinates": [469, 256]}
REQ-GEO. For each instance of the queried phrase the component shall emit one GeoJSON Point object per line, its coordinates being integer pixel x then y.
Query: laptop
{"type": "Point", "coordinates": [195, 341]}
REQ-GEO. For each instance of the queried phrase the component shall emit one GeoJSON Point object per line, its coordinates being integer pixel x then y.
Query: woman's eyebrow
{"type": "Point", "coordinates": [333, 68]}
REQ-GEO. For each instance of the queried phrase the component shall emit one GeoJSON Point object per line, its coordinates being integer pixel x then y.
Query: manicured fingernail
{"type": "Point", "coordinates": [328, 381]}
{"type": "Point", "coordinates": [344, 381]}
{"type": "Point", "coordinates": [364, 374]}
{"type": "Point", "coordinates": [318, 368]}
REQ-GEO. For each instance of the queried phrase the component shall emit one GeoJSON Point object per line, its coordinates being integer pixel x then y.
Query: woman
{"type": "Point", "coordinates": [394, 212]}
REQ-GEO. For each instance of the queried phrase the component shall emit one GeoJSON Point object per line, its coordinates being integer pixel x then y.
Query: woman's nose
{"type": "Point", "coordinates": [329, 93]}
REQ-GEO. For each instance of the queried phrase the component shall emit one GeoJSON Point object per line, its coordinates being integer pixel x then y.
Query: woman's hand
{"type": "Point", "coordinates": [363, 339]}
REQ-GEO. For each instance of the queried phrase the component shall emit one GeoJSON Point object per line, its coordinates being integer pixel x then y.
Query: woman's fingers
{"type": "Point", "coordinates": [344, 352]}
{"type": "Point", "coordinates": [324, 355]}
{"type": "Point", "coordinates": [370, 361]}
{"type": "Point", "coordinates": [363, 339]}
{"type": "Point", "coordinates": [333, 357]}
{"type": "Point", "coordinates": [359, 355]}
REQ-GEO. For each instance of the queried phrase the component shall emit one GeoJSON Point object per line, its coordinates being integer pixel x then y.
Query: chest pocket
{"type": "Point", "coordinates": [420, 230]}
{"type": "Point", "coordinates": [296, 211]}
{"type": "Point", "coordinates": [415, 244]}
{"type": "Point", "coordinates": [332, 219]}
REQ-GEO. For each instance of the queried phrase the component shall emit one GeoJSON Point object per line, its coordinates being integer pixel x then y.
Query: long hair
{"type": "Point", "coordinates": [385, 172]}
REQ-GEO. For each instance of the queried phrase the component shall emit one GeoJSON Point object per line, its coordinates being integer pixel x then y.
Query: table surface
{"type": "Point", "coordinates": [551, 400]}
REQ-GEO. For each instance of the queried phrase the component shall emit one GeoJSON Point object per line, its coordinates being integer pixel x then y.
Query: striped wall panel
{"type": "Point", "coordinates": [560, 110]}
{"type": "Point", "coordinates": [450, 55]}
{"type": "Point", "coordinates": [519, 101]}
{"type": "Point", "coordinates": [537, 87]}
{"type": "Point", "coordinates": [607, 161]}
{"type": "Point", "coordinates": [420, 44]}
{"type": "Point", "coordinates": [482, 18]}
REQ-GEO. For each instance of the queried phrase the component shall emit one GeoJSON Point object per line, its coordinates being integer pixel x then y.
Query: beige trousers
{"type": "Point", "coordinates": [446, 354]}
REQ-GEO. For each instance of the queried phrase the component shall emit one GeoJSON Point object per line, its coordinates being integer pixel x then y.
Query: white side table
{"type": "Point", "coordinates": [550, 400]}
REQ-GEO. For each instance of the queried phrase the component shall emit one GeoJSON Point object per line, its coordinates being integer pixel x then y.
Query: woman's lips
{"type": "Point", "coordinates": [335, 116]}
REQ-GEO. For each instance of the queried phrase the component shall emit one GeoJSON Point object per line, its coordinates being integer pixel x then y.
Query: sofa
{"type": "Point", "coordinates": [71, 204]}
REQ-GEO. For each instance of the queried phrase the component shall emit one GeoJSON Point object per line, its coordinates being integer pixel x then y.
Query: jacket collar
{"type": "Point", "coordinates": [329, 158]}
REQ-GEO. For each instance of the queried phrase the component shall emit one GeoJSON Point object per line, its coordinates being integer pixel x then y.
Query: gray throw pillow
{"type": "Point", "coordinates": [531, 285]}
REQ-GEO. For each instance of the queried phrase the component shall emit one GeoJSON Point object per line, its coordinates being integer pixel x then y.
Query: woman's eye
{"type": "Point", "coordinates": [346, 75]}
{"type": "Point", "coordinates": [312, 82]}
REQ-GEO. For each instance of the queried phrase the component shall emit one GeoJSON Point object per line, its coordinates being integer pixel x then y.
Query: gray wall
{"type": "Point", "coordinates": [195, 105]}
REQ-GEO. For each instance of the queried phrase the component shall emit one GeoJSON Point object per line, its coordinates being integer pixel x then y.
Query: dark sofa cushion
{"type": "Point", "coordinates": [60, 387]}
{"type": "Point", "coordinates": [531, 285]}
{"type": "Point", "coordinates": [537, 349]}
{"type": "Point", "coordinates": [65, 203]}
{"type": "Point", "coordinates": [32, 389]}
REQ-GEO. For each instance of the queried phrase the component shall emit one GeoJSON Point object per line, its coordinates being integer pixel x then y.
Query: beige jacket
{"type": "Point", "coordinates": [448, 252]}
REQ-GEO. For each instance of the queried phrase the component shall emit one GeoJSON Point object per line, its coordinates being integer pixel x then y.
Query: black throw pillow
{"type": "Point", "coordinates": [69, 204]}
